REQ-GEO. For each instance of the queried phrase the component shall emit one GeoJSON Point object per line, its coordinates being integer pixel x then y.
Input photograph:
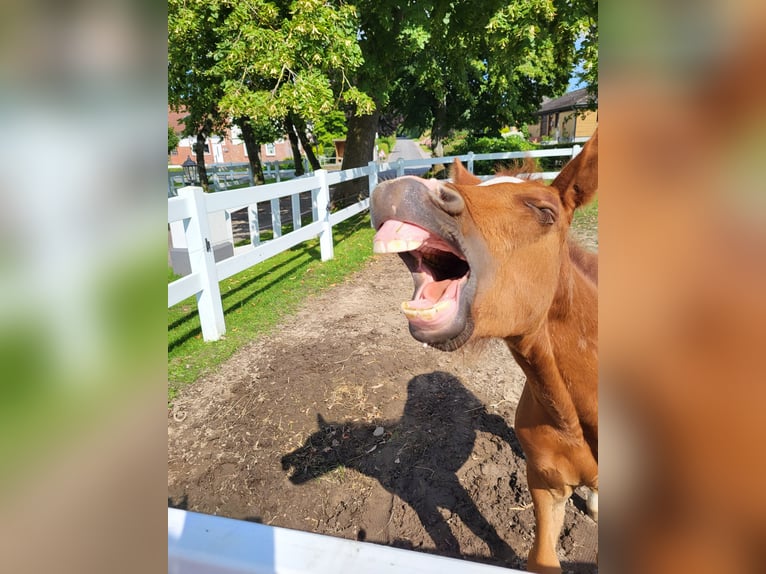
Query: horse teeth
{"type": "Point", "coordinates": [395, 246]}
{"type": "Point", "coordinates": [428, 313]}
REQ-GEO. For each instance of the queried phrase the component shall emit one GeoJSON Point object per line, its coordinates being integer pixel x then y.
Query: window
{"type": "Point", "coordinates": [270, 149]}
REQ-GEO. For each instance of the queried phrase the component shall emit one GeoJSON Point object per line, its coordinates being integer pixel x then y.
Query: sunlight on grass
{"type": "Point", "coordinates": [256, 299]}
{"type": "Point", "coordinates": [586, 215]}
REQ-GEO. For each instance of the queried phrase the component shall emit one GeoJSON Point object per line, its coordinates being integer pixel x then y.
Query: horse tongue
{"type": "Point", "coordinates": [433, 293]}
{"type": "Point", "coordinates": [436, 290]}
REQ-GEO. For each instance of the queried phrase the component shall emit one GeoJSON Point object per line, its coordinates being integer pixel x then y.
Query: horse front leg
{"type": "Point", "coordinates": [549, 505]}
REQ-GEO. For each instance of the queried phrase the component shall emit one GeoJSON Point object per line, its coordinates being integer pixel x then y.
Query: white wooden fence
{"type": "Point", "coordinates": [222, 176]}
{"type": "Point", "coordinates": [192, 209]}
{"type": "Point", "coordinates": [205, 544]}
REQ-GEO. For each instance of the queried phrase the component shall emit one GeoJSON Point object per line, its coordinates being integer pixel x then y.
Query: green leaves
{"type": "Point", "coordinates": [173, 140]}
{"type": "Point", "coordinates": [266, 59]}
{"type": "Point", "coordinates": [279, 58]}
{"type": "Point", "coordinates": [478, 65]}
{"type": "Point", "coordinates": [483, 64]}
{"type": "Point", "coordinates": [362, 103]}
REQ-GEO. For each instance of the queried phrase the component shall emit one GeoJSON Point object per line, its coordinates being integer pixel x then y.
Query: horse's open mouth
{"type": "Point", "coordinates": [438, 313]}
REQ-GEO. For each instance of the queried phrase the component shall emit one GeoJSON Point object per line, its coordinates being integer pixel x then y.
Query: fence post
{"type": "Point", "coordinates": [202, 261]}
{"type": "Point", "coordinates": [399, 167]}
{"type": "Point", "coordinates": [255, 229]}
{"type": "Point", "coordinates": [295, 201]}
{"type": "Point", "coordinates": [323, 211]}
{"type": "Point", "coordinates": [276, 218]}
{"type": "Point", "coordinates": [372, 179]}
{"type": "Point", "coordinates": [470, 161]}
{"type": "Point", "coordinates": [314, 205]}
{"type": "Point", "coordinates": [372, 176]}
{"type": "Point", "coordinates": [575, 150]}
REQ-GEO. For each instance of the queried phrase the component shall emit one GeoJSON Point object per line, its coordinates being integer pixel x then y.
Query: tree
{"type": "Point", "coordinates": [288, 61]}
{"type": "Point", "coordinates": [478, 65]}
{"type": "Point", "coordinates": [438, 64]}
{"type": "Point", "coordinates": [191, 40]}
{"type": "Point", "coordinates": [173, 140]}
{"type": "Point", "coordinates": [587, 51]}
{"type": "Point", "coordinates": [302, 131]}
{"type": "Point", "coordinates": [255, 133]}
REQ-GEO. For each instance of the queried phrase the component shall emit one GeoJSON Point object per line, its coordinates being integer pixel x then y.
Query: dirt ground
{"type": "Point", "coordinates": [341, 423]}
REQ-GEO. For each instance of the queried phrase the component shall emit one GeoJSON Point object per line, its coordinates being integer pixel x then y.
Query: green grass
{"type": "Point", "coordinates": [586, 216]}
{"type": "Point", "coordinates": [256, 299]}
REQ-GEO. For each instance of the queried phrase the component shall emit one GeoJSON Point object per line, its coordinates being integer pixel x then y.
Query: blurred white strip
{"type": "Point", "coordinates": [200, 543]}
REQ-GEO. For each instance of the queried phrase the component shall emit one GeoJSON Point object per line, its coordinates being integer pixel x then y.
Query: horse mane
{"type": "Point", "coordinates": [586, 261]}
{"type": "Point", "coordinates": [523, 169]}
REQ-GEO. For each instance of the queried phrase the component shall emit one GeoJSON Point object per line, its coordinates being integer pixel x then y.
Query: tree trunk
{"type": "Point", "coordinates": [253, 151]}
{"type": "Point", "coordinates": [294, 145]}
{"type": "Point", "coordinates": [439, 129]}
{"type": "Point", "coordinates": [360, 147]}
{"type": "Point", "coordinates": [199, 150]}
{"type": "Point", "coordinates": [300, 126]}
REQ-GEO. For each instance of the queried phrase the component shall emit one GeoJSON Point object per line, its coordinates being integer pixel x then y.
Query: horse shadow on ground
{"type": "Point", "coordinates": [416, 457]}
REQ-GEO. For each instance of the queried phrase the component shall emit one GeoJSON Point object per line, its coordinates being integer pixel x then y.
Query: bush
{"type": "Point", "coordinates": [173, 140]}
{"type": "Point", "coordinates": [491, 145]}
{"type": "Point", "coordinates": [327, 129]}
{"type": "Point", "coordinates": [386, 143]}
{"type": "Point", "coordinates": [555, 163]}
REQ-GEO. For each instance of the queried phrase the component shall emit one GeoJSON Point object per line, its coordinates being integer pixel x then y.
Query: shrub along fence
{"type": "Point", "coordinates": [195, 218]}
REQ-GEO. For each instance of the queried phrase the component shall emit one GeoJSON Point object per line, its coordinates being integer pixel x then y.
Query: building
{"type": "Point", "coordinates": [227, 149]}
{"type": "Point", "coordinates": [566, 119]}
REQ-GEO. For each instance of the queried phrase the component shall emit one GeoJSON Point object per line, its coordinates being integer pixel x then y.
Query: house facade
{"type": "Point", "coordinates": [227, 149]}
{"type": "Point", "coordinates": [565, 119]}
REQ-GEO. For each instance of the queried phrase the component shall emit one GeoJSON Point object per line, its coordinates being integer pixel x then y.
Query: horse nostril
{"type": "Point", "coordinates": [449, 200]}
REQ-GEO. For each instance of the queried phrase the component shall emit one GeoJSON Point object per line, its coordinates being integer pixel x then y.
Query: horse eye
{"type": "Point", "coordinates": [549, 217]}
{"type": "Point", "coordinates": [545, 214]}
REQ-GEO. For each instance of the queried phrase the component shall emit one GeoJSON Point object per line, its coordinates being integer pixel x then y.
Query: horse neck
{"type": "Point", "coordinates": [560, 355]}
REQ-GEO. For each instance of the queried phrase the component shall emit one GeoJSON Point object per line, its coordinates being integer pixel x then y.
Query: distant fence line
{"type": "Point", "coordinates": [198, 222]}
{"type": "Point", "coordinates": [224, 176]}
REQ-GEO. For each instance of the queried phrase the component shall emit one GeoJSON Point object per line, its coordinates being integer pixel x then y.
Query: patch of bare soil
{"type": "Point", "coordinates": [341, 423]}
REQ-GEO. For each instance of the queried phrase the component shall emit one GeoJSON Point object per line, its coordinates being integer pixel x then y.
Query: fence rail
{"type": "Point", "coordinates": [217, 545]}
{"type": "Point", "coordinates": [224, 176]}
{"type": "Point", "coordinates": [190, 217]}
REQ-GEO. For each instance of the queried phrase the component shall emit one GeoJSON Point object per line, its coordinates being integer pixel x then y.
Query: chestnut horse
{"type": "Point", "coordinates": [494, 259]}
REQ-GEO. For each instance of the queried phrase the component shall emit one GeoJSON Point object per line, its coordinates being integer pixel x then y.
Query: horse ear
{"type": "Point", "coordinates": [320, 421]}
{"type": "Point", "coordinates": [577, 182]}
{"type": "Point", "coordinates": [461, 176]}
